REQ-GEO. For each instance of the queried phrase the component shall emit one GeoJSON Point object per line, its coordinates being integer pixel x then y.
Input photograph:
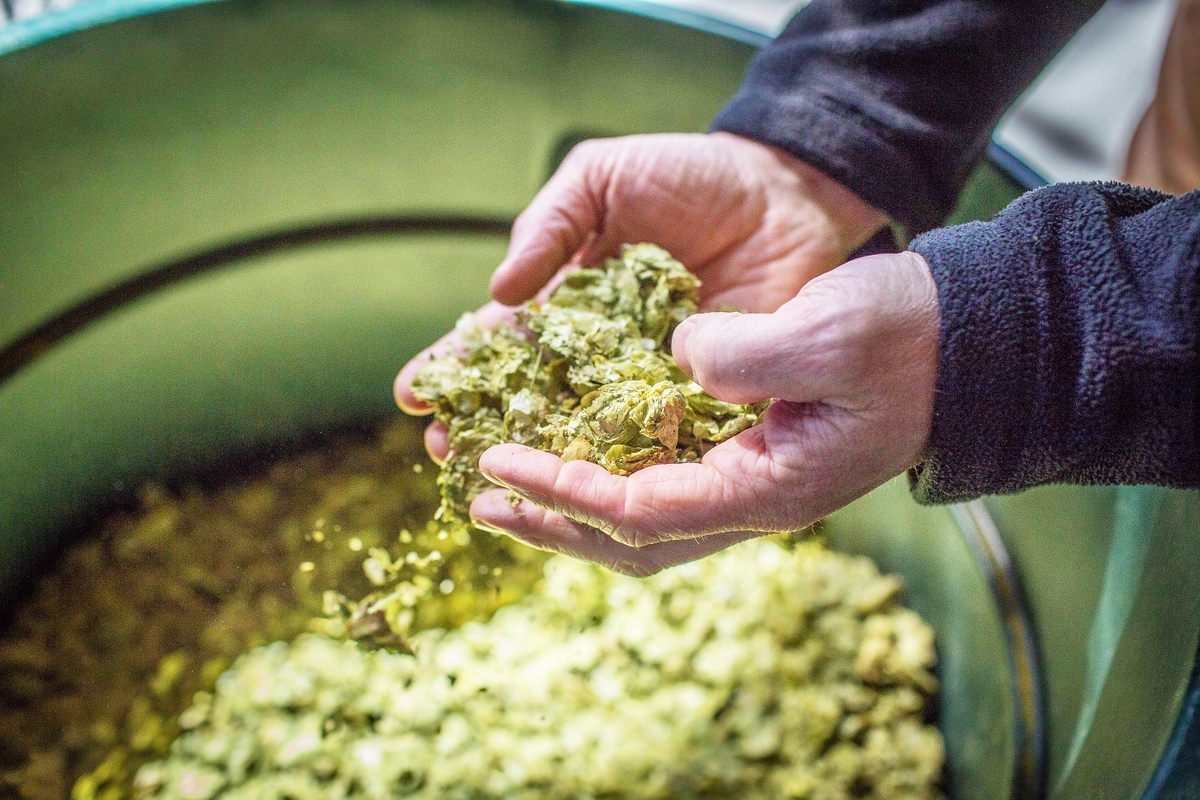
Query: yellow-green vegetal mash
{"type": "Point", "coordinates": [586, 375]}
{"type": "Point", "coordinates": [759, 673]}
{"type": "Point", "coordinates": [162, 596]}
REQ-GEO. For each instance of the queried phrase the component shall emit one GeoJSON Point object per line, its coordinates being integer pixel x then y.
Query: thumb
{"type": "Point", "coordinates": [562, 218]}
{"type": "Point", "coordinates": [745, 358]}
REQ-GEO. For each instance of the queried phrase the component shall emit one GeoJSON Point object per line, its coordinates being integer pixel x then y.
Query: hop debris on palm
{"type": "Point", "coordinates": [587, 375]}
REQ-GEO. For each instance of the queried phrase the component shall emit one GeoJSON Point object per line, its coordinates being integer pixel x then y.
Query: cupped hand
{"type": "Point", "coordinates": [752, 222]}
{"type": "Point", "coordinates": [851, 363]}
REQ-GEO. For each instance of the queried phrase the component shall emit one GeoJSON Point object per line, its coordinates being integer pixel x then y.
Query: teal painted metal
{"type": "Point", "coordinates": [26, 33]}
{"type": "Point", "coordinates": [679, 16]}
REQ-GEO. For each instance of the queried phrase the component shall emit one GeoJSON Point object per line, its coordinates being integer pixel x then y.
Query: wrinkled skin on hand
{"type": "Point", "coordinates": [851, 363]}
{"type": "Point", "coordinates": [751, 222]}
{"type": "Point", "coordinates": [754, 224]}
{"type": "Point", "coordinates": [584, 376]}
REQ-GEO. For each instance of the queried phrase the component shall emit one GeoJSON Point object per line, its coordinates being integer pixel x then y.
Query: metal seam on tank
{"type": "Point", "coordinates": [26, 33]}
{"type": "Point", "coordinates": [27, 347]}
{"type": "Point", "coordinates": [1021, 173]}
{"type": "Point", "coordinates": [683, 17]}
{"type": "Point", "coordinates": [35, 30]}
{"type": "Point", "coordinates": [1029, 725]}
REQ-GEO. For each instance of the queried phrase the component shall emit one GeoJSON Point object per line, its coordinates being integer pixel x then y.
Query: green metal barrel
{"type": "Point", "coordinates": [225, 225]}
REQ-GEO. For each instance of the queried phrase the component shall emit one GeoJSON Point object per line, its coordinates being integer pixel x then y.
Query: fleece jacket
{"type": "Point", "coordinates": [1069, 322]}
{"type": "Point", "coordinates": [896, 99]}
{"type": "Point", "coordinates": [1068, 344]}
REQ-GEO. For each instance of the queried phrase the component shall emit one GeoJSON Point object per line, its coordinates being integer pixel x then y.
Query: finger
{"type": "Point", "coordinates": [551, 531]}
{"type": "Point", "coordinates": [437, 442]}
{"type": "Point", "coordinates": [561, 219]}
{"type": "Point", "coordinates": [402, 387]}
{"type": "Point", "coordinates": [488, 316]}
{"type": "Point", "coordinates": [660, 503]}
{"type": "Point", "coordinates": [747, 358]}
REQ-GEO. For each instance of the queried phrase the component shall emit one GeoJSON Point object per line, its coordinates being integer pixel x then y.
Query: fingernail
{"type": "Point", "coordinates": [679, 345]}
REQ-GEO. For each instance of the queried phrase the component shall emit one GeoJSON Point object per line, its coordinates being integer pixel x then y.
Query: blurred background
{"type": "Point", "coordinates": [1074, 123]}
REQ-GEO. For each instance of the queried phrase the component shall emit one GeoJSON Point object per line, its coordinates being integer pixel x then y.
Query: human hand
{"type": "Point", "coordinates": [851, 363]}
{"type": "Point", "coordinates": [752, 222]}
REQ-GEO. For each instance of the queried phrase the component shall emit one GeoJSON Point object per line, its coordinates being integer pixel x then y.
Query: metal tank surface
{"type": "Point", "coordinates": [226, 224]}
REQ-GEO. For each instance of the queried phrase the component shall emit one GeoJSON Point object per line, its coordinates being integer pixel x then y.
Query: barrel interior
{"type": "Point", "coordinates": [231, 223]}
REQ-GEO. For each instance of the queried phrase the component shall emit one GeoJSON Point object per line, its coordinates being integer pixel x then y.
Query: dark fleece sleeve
{"type": "Point", "coordinates": [1068, 344]}
{"type": "Point", "coordinates": [896, 99]}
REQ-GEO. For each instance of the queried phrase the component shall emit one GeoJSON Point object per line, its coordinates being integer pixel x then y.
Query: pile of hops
{"type": "Point", "coordinates": [762, 672]}
{"type": "Point", "coordinates": [587, 375]}
{"type": "Point", "coordinates": [130, 623]}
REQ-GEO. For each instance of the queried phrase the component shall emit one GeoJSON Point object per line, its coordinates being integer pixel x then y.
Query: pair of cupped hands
{"type": "Point", "coordinates": [847, 353]}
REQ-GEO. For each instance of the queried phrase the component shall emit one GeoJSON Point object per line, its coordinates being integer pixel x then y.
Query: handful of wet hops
{"type": "Point", "coordinates": [587, 375]}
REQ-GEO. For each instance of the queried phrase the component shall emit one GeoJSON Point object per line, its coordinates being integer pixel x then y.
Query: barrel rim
{"type": "Point", "coordinates": [20, 34]}
{"type": "Point", "coordinates": [982, 535]}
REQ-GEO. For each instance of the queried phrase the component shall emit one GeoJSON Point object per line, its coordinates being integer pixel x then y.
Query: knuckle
{"type": "Point", "coordinates": [584, 153]}
{"type": "Point", "coordinates": [630, 534]}
{"type": "Point", "coordinates": [623, 533]}
{"type": "Point", "coordinates": [635, 525]}
{"type": "Point", "coordinates": [563, 227]}
{"type": "Point", "coordinates": [913, 260]}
